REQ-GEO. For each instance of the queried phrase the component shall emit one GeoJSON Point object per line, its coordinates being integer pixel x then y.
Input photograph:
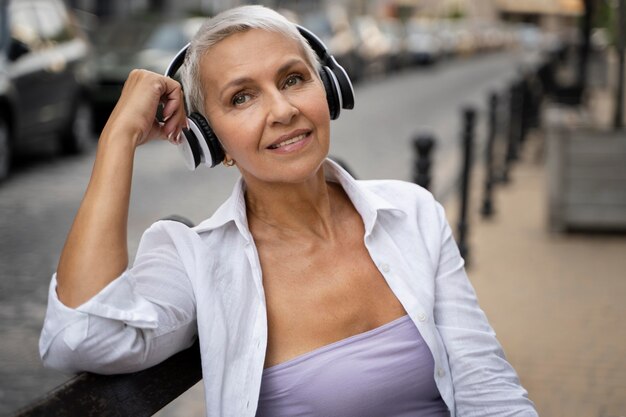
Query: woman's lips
{"type": "Point", "coordinates": [289, 141]}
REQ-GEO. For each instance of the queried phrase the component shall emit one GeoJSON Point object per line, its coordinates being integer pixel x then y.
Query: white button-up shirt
{"type": "Point", "coordinates": [206, 282]}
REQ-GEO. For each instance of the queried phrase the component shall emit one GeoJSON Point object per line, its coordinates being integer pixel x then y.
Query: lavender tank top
{"type": "Point", "coordinates": [387, 371]}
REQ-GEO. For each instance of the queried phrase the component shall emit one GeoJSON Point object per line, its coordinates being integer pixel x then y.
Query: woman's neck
{"type": "Point", "coordinates": [291, 210]}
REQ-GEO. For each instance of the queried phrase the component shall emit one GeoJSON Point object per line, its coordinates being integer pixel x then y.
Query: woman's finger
{"type": "Point", "coordinates": [175, 118]}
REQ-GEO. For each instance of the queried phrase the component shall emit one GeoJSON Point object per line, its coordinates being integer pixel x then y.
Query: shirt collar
{"type": "Point", "coordinates": [366, 202]}
{"type": "Point", "coordinates": [232, 210]}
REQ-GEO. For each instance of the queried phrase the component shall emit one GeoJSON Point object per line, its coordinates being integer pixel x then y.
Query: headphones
{"type": "Point", "coordinates": [201, 145]}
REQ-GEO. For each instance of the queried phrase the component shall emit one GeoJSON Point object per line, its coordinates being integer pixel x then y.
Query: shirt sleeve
{"type": "Point", "coordinates": [141, 318]}
{"type": "Point", "coordinates": [485, 384]}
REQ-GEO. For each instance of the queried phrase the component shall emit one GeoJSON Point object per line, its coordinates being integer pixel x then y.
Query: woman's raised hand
{"type": "Point", "coordinates": [96, 249]}
{"type": "Point", "coordinates": [136, 110]}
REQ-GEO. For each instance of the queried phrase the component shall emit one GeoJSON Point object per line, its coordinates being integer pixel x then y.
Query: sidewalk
{"type": "Point", "coordinates": [557, 302]}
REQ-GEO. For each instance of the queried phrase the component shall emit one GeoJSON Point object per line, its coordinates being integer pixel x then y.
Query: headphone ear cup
{"type": "Point", "coordinates": [332, 95]}
{"type": "Point", "coordinates": [212, 150]}
{"type": "Point", "coordinates": [346, 92]}
{"type": "Point", "coordinates": [190, 150]}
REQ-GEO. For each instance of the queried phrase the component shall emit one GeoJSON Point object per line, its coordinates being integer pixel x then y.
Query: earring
{"type": "Point", "coordinates": [228, 162]}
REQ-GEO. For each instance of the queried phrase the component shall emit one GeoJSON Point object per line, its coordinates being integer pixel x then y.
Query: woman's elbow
{"type": "Point", "coordinates": [104, 356]}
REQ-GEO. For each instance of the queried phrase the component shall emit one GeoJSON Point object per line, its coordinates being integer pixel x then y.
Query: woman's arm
{"type": "Point", "coordinates": [95, 252]}
{"type": "Point", "coordinates": [485, 384]}
{"type": "Point", "coordinates": [144, 316]}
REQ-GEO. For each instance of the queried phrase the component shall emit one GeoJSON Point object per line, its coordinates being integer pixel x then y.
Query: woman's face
{"type": "Point", "coordinates": [267, 106]}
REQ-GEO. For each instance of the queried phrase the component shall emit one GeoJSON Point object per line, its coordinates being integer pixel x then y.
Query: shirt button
{"type": "Point", "coordinates": [385, 267]}
{"type": "Point", "coordinates": [441, 373]}
{"type": "Point", "coordinates": [422, 317]}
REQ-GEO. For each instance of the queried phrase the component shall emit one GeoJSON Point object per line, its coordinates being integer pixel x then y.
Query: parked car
{"type": "Point", "coordinates": [374, 46]}
{"type": "Point", "coordinates": [395, 32]}
{"type": "Point", "coordinates": [147, 42]}
{"type": "Point", "coordinates": [423, 43]}
{"type": "Point", "coordinates": [43, 78]}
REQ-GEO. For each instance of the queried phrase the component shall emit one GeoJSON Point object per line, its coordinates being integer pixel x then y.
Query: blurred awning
{"type": "Point", "coordinates": [551, 7]}
{"type": "Point", "coordinates": [406, 2]}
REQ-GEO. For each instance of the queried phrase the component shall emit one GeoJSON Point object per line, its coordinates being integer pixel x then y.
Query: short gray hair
{"type": "Point", "coordinates": [236, 20]}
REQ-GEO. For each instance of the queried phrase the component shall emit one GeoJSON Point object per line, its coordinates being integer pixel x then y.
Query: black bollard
{"type": "Point", "coordinates": [513, 133]}
{"type": "Point", "coordinates": [532, 102]}
{"type": "Point", "coordinates": [423, 145]}
{"type": "Point", "coordinates": [526, 106]}
{"type": "Point", "coordinates": [487, 207]}
{"type": "Point", "coordinates": [469, 119]}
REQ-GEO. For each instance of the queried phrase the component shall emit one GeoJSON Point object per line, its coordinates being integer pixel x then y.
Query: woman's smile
{"type": "Point", "coordinates": [292, 142]}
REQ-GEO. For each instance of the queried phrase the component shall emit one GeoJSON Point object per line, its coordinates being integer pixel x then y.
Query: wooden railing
{"type": "Point", "coordinates": [137, 394]}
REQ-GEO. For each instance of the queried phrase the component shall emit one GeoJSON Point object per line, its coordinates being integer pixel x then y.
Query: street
{"type": "Point", "coordinates": [38, 202]}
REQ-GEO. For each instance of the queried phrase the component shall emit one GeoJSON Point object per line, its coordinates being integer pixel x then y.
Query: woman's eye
{"type": "Point", "coordinates": [239, 99]}
{"type": "Point", "coordinates": [293, 80]}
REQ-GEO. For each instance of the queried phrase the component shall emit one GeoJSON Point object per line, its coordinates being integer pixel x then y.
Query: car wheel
{"type": "Point", "coordinates": [78, 136]}
{"type": "Point", "coordinates": [5, 150]}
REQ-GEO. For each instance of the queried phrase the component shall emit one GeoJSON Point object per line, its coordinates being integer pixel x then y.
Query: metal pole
{"type": "Point", "coordinates": [513, 131]}
{"type": "Point", "coordinates": [423, 145]}
{"type": "Point", "coordinates": [585, 45]}
{"type": "Point", "coordinates": [469, 118]}
{"type": "Point", "coordinates": [487, 207]}
{"type": "Point", "coordinates": [618, 121]}
{"type": "Point", "coordinates": [525, 104]}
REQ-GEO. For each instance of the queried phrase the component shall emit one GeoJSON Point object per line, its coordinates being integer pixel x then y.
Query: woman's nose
{"type": "Point", "coordinates": [281, 109]}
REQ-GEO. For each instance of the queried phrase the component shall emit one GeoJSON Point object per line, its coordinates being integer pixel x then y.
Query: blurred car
{"type": "Point", "coordinates": [332, 26]}
{"type": "Point", "coordinates": [374, 46]}
{"type": "Point", "coordinates": [148, 43]}
{"type": "Point", "coordinates": [396, 34]}
{"type": "Point", "coordinates": [533, 38]}
{"type": "Point", "coordinates": [43, 78]}
{"type": "Point", "coordinates": [423, 44]}
{"type": "Point", "coordinates": [448, 37]}
{"type": "Point", "coordinates": [466, 43]}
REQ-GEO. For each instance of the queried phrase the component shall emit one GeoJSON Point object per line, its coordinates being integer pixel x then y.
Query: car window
{"type": "Point", "coordinates": [23, 24]}
{"type": "Point", "coordinates": [123, 36]}
{"type": "Point", "coordinates": [53, 21]}
{"type": "Point", "coordinates": [169, 37]}
{"type": "Point", "coordinates": [130, 36]}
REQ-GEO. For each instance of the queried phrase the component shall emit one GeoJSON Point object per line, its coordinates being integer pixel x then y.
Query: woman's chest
{"type": "Point", "coordinates": [319, 295]}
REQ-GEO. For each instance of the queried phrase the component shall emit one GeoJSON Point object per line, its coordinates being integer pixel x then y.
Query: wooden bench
{"type": "Point", "coordinates": [137, 394]}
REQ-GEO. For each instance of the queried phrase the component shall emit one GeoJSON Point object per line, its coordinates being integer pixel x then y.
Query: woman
{"type": "Point", "coordinates": [312, 294]}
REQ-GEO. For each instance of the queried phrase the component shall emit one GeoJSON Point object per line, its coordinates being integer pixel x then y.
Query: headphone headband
{"type": "Point", "coordinates": [177, 62]}
{"type": "Point", "coordinates": [316, 44]}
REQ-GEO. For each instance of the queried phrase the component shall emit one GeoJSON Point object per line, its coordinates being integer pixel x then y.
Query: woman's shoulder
{"type": "Point", "coordinates": [171, 231]}
{"type": "Point", "coordinates": [172, 225]}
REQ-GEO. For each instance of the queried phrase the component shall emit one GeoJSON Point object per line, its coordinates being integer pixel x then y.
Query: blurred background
{"type": "Point", "coordinates": [510, 112]}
